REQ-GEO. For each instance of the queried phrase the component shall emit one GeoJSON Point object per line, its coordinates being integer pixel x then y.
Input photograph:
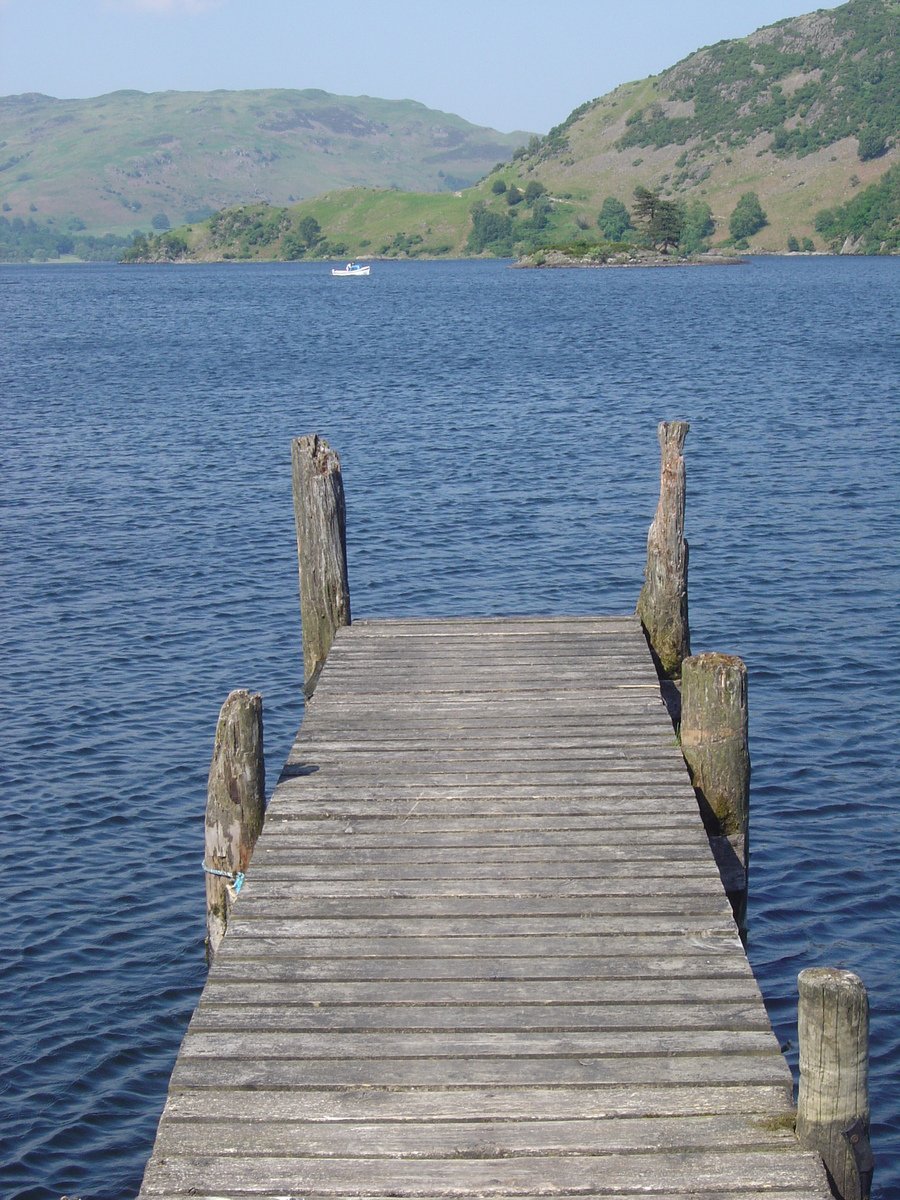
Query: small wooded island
{"type": "Point", "coordinates": [631, 256]}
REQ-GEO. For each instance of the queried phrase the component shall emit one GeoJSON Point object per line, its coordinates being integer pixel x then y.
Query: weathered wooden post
{"type": "Point", "coordinates": [833, 1102]}
{"type": "Point", "coordinates": [235, 808]}
{"type": "Point", "coordinates": [663, 603]}
{"type": "Point", "coordinates": [320, 515]}
{"type": "Point", "coordinates": [714, 742]}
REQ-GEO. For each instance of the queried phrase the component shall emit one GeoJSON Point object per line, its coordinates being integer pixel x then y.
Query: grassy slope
{"type": "Point", "coordinates": [118, 160]}
{"type": "Point", "coordinates": [364, 220]}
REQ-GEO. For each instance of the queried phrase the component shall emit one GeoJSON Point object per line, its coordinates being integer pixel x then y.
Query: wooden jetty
{"type": "Point", "coordinates": [483, 949]}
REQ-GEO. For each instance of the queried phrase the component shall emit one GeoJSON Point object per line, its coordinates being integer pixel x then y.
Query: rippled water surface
{"type": "Point", "coordinates": [497, 430]}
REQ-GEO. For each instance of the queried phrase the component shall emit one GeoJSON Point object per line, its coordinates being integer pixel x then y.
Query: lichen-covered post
{"type": "Point", "coordinates": [235, 808]}
{"type": "Point", "coordinates": [833, 1102]}
{"type": "Point", "coordinates": [714, 742]}
{"type": "Point", "coordinates": [663, 603]}
{"type": "Point", "coordinates": [320, 515]}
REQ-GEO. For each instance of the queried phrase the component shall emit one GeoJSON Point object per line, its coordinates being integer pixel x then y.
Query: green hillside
{"type": "Point", "coordinates": [358, 221]}
{"type": "Point", "coordinates": [803, 113]}
{"type": "Point", "coordinates": [781, 140]}
{"type": "Point", "coordinates": [150, 161]}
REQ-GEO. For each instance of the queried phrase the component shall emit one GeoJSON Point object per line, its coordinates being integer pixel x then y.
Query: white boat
{"type": "Point", "coordinates": [352, 268]}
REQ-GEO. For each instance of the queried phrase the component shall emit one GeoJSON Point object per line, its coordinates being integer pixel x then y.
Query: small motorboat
{"type": "Point", "coordinates": [352, 268]}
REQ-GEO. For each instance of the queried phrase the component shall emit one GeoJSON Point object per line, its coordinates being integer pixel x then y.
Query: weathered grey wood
{"type": "Point", "coordinates": [288, 900]}
{"type": "Point", "coordinates": [353, 1047]}
{"type": "Point", "coordinates": [530, 1104]}
{"type": "Point", "coordinates": [320, 516]}
{"type": "Point", "coordinates": [490, 1071]}
{"type": "Point", "coordinates": [540, 856]}
{"type": "Point", "coordinates": [614, 1194]}
{"type": "Point", "coordinates": [468, 947]}
{"type": "Point", "coordinates": [464, 1139]}
{"type": "Point", "coordinates": [235, 807]}
{"type": "Point", "coordinates": [518, 925]}
{"type": "Point", "coordinates": [601, 994]}
{"type": "Point", "coordinates": [686, 890]}
{"type": "Point", "coordinates": [637, 867]}
{"type": "Point", "coordinates": [700, 962]}
{"type": "Point", "coordinates": [714, 732]}
{"type": "Point", "coordinates": [483, 949]}
{"type": "Point", "coordinates": [663, 603]}
{"type": "Point", "coordinates": [833, 1106]}
{"type": "Point", "coordinates": [483, 1176]}
{"type": "Point", "coordinates": [520, 1018]}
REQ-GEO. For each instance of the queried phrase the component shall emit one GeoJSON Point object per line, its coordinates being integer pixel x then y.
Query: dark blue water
{"type": "Point", "coordinates": [497, 430]}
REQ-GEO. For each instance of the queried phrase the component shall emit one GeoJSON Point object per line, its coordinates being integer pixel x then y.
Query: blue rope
{"type": "Point", "coordinates": [236, 880]}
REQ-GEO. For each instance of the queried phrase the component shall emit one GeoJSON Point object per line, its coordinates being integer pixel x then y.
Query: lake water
{"type": "Point", "coordinates": [498, 435]}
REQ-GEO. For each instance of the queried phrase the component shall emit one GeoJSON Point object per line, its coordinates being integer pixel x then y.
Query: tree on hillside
{"type": "Point", "coordinates": [871, 143]}
{"type": "Point", "coordinates": [490, 231]}
{"type": "Point", "coordinates": [747, 218]}
{"type": "Point", "coordinates": [665, 229]}
{"type": "Point", "coordinates": [614, 219]}
{"type": "Point", "coordinates": [660, 220]}
{"type": "Point", "coordinates": [498, 187]}
{"type": "Point", "coordinates": [645, 205]}
{"type": "Point", "coordinates": [697, 224]}
{"type": "Point", "coordinates": [310, 231]}
{"type": "Point", "coordinates": [533, 190]}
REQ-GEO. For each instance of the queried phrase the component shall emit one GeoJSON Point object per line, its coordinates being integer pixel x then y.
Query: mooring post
{"type": "Point", "coordinates": [714, 742]}
{"type": "Point", "coordinates": [833, 1102]}
{"type": "Point", "coordinates": [235, 808]}
{"type": "Point", "coordinates": [663, 603]}
{"type": "Point", "coordinates": [320, 515]}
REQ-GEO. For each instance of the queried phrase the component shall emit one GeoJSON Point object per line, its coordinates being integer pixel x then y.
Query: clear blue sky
{"type": "Point", "coordinates": [510, 64]}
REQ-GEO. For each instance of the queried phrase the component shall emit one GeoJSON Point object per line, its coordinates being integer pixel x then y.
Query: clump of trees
{"type": "Point", "coordinates": [747, 217]}
{"type": "Point", "coordinates": [871, 218]}
{"type": "Point", "coordinates": [490, 231]}
{"type": "Point", "coordinates": [28, 240]}
{"type": "Point", "coordinates": [614, 219]}
{"type": "Point", "coordinates": [523, 228]}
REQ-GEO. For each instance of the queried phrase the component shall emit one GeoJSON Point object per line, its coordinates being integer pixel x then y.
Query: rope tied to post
{"type": "Point", "coordinates": [235, 881]}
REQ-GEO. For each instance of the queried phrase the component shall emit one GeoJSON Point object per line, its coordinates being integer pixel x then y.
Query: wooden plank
{"type": "Point", "coordinates": [530, 856]}
{"type": "Point", "coordinates": [518, 1018]}
{"type": "Point", "coordinates": [481, 1138]}
{"type": "Point", "coordinates": [576, 932]}
{"type": "Point", "coordinates": [308, 1047]}
{"type": "Point", "coordinates": [692, 891]}
{"type": "Point", "coordinates": [638, 867]}
{"type": "Point", "coordinates": [702, 965]}
{"type": "Point", "coordinates": [615, 826]}
{"type": "Point", "coordinates": [272, 902]}
{"type": "Point", "coordinates": [531, 1103]}
{"type": "Point", "coordinates": [543, 1175]}
{"type": "Point", "coordinates": [734, 1192]}
{"type": "Point", "coordinates": [296, 798]}
{"type": "Point", "coordinates": [646, 945]}
{"type": "Point", "coordinates": [507, 1072]}
{"type": "Point", "coordinates": [595, 994]}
